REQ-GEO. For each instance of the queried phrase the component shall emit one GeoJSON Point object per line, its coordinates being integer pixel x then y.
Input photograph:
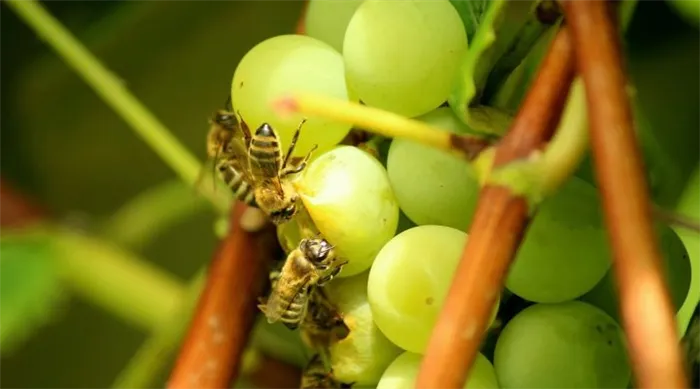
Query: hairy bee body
{"type": "Point", "coordinates": [254, 167]}
{"type": "Point", "coordinates": [316, 376]}
{"type": "Point", "coordinates": [323, 324]}
{"type": "Point", "coordinates": [236, 182]}
{"type": "Point", "coordinates": [305, 268]}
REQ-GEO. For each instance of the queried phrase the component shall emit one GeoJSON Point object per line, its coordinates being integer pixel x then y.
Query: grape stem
{"type": "Point", "coordinates": [652, 340]}
{"type": "Point", "coordinates": [150, 213]}
{"type": "Point", "coordinates": [497, 228]}
{"type": "Point", "coordinates": [381, 122]}
{"type": "Point", "coordinates": [153, 355]}
{"type": "Point", "coordinates": [211, 354]}
{"type": "Point", "coordinates": [111, 89]}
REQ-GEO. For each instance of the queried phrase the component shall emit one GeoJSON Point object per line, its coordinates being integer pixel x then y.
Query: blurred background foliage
{"type": "Point", "coordinates": [66, 149]}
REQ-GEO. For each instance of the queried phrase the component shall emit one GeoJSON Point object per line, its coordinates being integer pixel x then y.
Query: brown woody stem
{"type": "Point", "coordinates": [210, 356]}
{"type": "Point", "coordinates": [496, 231]}
{"type": "Point", "coordinates": [647, 311]}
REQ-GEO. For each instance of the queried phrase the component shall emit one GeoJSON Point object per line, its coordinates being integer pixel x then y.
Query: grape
{"type": "Point", "coordinates": [431, 185]}
{"type": "Point", "coordinates": [565, 345]}
{"type": "Point", "coordinates": [677, 272]}
{"type": "Point", "coordinates": [348, 196]}
{"type": "Point", "coordinates": [403, 56]}
{"type": "Point", "coordinates": [409, 281]}
{"type": "Point", "coordinates": [365, 353]}
{"type": "Point", "coordinates": [327, 20]}
{"type": "Point", "coordinates": [402, 373]}
{"type": "Point", "coordinates": [565, 251]}
{"type": "Point", "coordinates": [289, 64]}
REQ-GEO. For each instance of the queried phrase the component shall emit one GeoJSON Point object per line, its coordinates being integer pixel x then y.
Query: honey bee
{"type": "Point", "coordinates": [312, 264]}
{"type": "Point", "coordinates": [323, 325]}
{"type": "Point", "coordinates": [254, 167]}
{"type": "Point", "coordinates": [316, 376]}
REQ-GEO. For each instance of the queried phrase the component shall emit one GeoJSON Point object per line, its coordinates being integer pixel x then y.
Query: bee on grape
{"type": "Point", "coordinates": [253, 165]}
{"type": "Point", "coordinates": [315, 376]}
{"type": "Point", "coordinates": [313, 263]}
{"type": "Point", "coordinates": [323, 324]}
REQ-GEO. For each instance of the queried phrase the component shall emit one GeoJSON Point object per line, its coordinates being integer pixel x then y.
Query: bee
{"type": "Point", "coordinates": [312, 264]}
{"type": "Point", "coordinates": [253, 165]}
{"type": "Point", "coordinates": [315, 376]}
{"type": "Point", "coordinates": [323, 324]}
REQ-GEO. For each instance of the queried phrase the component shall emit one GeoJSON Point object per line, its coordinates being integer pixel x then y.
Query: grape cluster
{"type": "Point", "coordinates": [399, 219]}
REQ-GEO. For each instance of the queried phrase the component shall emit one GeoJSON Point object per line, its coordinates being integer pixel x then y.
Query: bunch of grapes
{"type": "Point", "coordinates": [399, 216]}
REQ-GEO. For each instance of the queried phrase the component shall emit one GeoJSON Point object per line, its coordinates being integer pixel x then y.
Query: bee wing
{"type": "Point", "coordinates": [237, 152]}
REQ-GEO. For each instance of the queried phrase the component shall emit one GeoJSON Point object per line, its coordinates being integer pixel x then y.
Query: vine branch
{"type": "Point", "coordinates": [211, 353]}
{"type": "Point", "coordinates": [652, 342]}
{"type": "Point", "coordinates": [499, 222]}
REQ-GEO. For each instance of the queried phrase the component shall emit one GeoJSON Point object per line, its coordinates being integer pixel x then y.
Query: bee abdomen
{"type": "Point", "coordinates": [265, 149]}
{"type": "Point", "coordinates": [295, 312]}
{"type": "Point", "coordinates": [239, 186]}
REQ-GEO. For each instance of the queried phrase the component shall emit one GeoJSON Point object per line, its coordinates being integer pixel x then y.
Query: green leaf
{"type": "Point", "coordinates": [478, 60]}
{"type": "Point", "coordinates": [30, 286]}
{"type": "Point", "coordinates": [506, 34]}
{"type": "Point", "coordinates": [689, 206]}
{"type": "Point", "coordinates": [542, 17]}
{"type": "Point", "coordinates": [471, 12]}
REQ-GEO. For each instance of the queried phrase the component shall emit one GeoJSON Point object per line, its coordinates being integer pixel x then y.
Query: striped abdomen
{"type": "Point", "coordinates": [241, 188]}
{"type": "Point", "coordinates": [297, 310]}
{"type": "Point", "coordinates": [264, 153]}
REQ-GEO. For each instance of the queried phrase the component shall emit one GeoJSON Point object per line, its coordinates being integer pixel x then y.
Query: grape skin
{"type": "Point", "coordinates": [431, 185]}
{"type": "Point", "coordinates": [403, 371]}
{"type": "Point", "coordinates": [565, 345]}
{"type": "Point", "coordinates": [677, 273]}
{"type": "Point", "coordinates": [565, 251]}
{"type": "Point", "coordinates": [363, 356]}
{"type": "Point", "coordinates": [349, 198]}
{"type": "Point", "coordinates": [288, 64]}
{"type": "Point", "coordinates": [403, 56]}
{"type": "Point", "coordinates": [409, 281]}
{"type": "Point", "coordinates": [327, 20]}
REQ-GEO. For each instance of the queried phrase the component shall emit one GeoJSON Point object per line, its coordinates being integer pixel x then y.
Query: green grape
{"type": "Point", "coordinates": [565, 345]}
{"type": "Point", "coordinates": [565, 250]}
{"type": "Point", "coordinates": [348, 196]}
{"type": "Point", "coordinates": [677, 272]}
{"type": "Point", "coordinates": [365, 353]}
{"type": "Point", "coordinates": [327, 20]}
{"type": "Point", "coordinates": [431, 185]}
{"type": "Point", "coordinates": [409, 281]}
{"type": "Point", "coordinates": [403, 56]}
{"type": "Point", "coordinates": [402, 373]}
{"type": "Point", "coordinates": [290, 64]}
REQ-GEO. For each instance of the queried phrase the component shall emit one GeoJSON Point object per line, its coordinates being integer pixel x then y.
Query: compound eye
{"type": "Point", "coordinates": [290, 210]}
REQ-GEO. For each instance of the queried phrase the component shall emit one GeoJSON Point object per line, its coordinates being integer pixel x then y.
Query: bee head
{"type": "Point", "coordinates": [317, 250]}
{"type": "Point", "coordinates": [221, 132]}
{"type": "Point", "coordinates": [225, 119]}
{"type": "Point", "coordinates": [283, 215]}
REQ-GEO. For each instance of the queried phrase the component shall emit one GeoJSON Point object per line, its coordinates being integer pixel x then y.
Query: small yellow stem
{"type": "Point", "coordinates": [380, 122]}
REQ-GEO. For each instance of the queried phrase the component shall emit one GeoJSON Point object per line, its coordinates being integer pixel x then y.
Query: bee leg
{"type": "Point", "coordinates": [244, 128]}
{"type": "Point", "coordinates": [292, 145]}
{"type": "Point", "coordinates": [301, 165]}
